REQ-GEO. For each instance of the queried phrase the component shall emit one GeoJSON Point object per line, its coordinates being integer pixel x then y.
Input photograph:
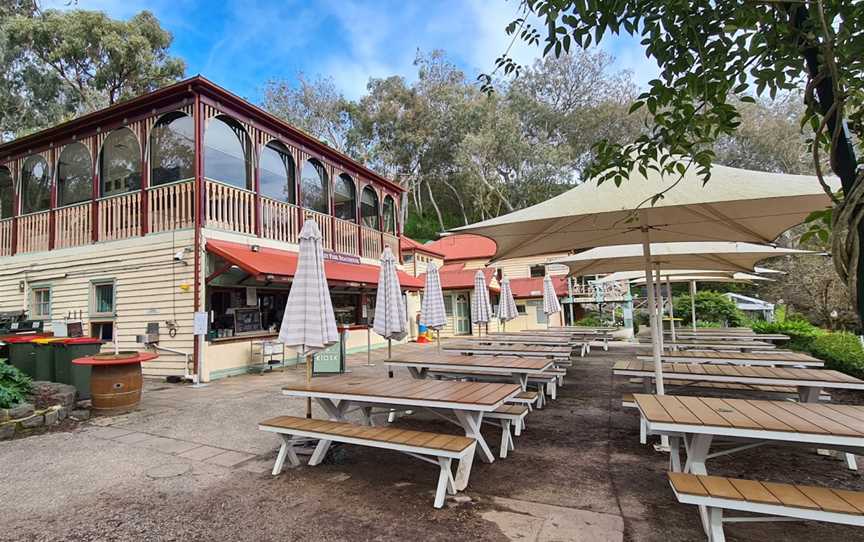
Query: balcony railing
{"type": "Point", "coordinates": [6, 237]}
{"type": "Point", "coordinates": [171, 207]}
{"type": "Point", "coordinates": [34, 232]}
{"type": "Point", "coordinates": [73, 225]}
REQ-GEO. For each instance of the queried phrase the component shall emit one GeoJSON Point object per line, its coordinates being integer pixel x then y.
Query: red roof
{"type": "Point", "coordinates": [464, 246]}
{"type": "Point", "coordinates": [533, 287]}
{"type": "Point", "coordinates": [456, 277]}
{"type": "Point", "coordinates": [411, 244]}
{"type": "Point", "coordinates": [280, 265]}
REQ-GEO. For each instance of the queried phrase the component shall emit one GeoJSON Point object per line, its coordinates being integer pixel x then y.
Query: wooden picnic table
{"type": "Point", "coordinates": [517, 368]}
{"type": "Point", "coordinates": [769, 359]}
{"type": "Point", "coordinates": [740, 346]}
{"type": "Point", "coordinates": [809, 382]}
{"type": "Point", "coordinates": [521, 350]}
{"type": "Point", "coordinates": [698, 421]}
{"type": "Point", "coordinates": [466, 401]}
{"type": "Point", "coordinates": [513, 338]}
{"type": "Point", "coordinates": [773, 337]}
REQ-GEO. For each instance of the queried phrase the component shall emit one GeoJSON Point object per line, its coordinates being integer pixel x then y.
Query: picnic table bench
{"type": "Point", "coordinates": [441, 448]}
{"type": "Point", "coordinates": [778, 501]}
{"type": "Point", "coordinates": [560, 353]}
{"type": "Point", "coordinates": [740, 346]}
{"type": "Point", "coordinates": [461, 403]}
{"type": "Point", "coordinates": [770, 359]}
{"type": "Point", "coordinates": [419, 364]}
{"type": "Point", "coordinates": [809, 382]}
{"type": "Point", "coordinates": [773, 337]}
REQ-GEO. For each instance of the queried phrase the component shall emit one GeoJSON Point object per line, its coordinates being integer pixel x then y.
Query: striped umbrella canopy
{"type": "Point", "coordinates": [309, 323]}
{"type": "Point", "coordinates": [390, 314]}
{"type": "Point", "coordinates": [432, 314]}
{"type": "Point", "coordinates": [481, 308]}
{"type": "Point", "coordinates": [506, 305]}
{"type": "Point", "coordinates": [550, 298]}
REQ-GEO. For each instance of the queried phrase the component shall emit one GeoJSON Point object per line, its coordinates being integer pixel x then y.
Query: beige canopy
{"type": "Point", "coordinates": [747, 278]}
{"type": "Point", "coordinates": [714, 256]}
{"type": "Point", "coordinates": [735, 205]}
{"type": "Point", "coordinates": [681, 275]}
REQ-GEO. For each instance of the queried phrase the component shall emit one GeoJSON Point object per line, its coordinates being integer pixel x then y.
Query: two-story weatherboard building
{"type": "Point", "coordinates": [182, 200]}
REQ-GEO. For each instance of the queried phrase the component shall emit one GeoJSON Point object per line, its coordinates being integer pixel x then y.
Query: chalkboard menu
{"type": "Point", "coordinates": [247, 319]}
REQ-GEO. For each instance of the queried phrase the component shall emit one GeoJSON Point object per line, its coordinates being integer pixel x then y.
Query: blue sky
{"type": "Point", "coordinates": [241, 44]}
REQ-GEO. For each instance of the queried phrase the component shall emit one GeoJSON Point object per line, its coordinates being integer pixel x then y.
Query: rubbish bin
{"type": "Point", "coordinates": [67, 372]}
{"type": "Point", "coordinates": [22, 353]}
{"type": "Point", "coordinates": [44, 357]}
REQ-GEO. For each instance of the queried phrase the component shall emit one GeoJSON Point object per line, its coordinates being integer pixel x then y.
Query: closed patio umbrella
{"type": "Point", "coordinates": [390, 313]}
{"type": "Point", "coordinates": [481, 308]}
{"type": "Point", "coordinates": [432, 313]}
{"type": "Point", "coordinates": [506, 305]}
{"type": "Point", "coordinates": [551, 305]}
{"type": "Point", "coordinates": [309, 324]}
{"type": "Point", "coordinates": [736, 205]}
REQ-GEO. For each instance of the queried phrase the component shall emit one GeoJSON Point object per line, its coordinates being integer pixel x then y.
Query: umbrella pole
{"type": "Point", "coordinates": [308, 383]}
{"type": "Point", "coordinates": [671, 307]}
{"type": "Point", "coordinates": [652, 311]}
{"type": "Point", "coordinates": [693, 303]}
{"type": "Point", "coordinates": [658, 291]}
{"type": "Point", "coordinates": [438, 339]}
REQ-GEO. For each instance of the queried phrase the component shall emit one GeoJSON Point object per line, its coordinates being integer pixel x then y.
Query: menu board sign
{"type": "Point", "coordinates": [246, 320]}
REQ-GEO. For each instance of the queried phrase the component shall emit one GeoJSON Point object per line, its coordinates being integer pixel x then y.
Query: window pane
{"type": "Point", "coordinates": [104, 298]}
{"type": "Point", "coordinates": [7, 194]}
{"type": "Point", "coordinates": [538, 271]}
{"type": "Point", "coordinates": [172, 150]}
{"type": "Point", "coordinates": [344, 202]}
{"type": "Point", "coordinates": [120, 163]}
{"type": "Point", "coordinates": [313, 187]}
{"type": "Point", "coordinates": [226, 153]}
{"type": "Point", "coordinates": [369, 208]}
{"type": "Point", "coordinates": [41, 303]}
{"type": "Point", "coordinates": [389, 215]}
{"type": "Point", "coordinates": [74, 175]}
{"type": "Point", "coordinates": [276, 173]}
{"type": "Point", "coordinates": [35, 185]}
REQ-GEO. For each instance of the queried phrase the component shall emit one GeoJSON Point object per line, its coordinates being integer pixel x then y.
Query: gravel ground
{"type": "Point", "coordinates": [580, 454]}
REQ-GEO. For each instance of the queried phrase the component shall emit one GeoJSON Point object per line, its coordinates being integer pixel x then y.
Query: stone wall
{"type": "Point", "coordinates": [49, 404]}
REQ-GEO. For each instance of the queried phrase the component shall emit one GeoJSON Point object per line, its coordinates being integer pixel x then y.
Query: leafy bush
{"type": "Point", "coordinates": [14, 386]}
{"type": "Point", "coordinates": [711, 307]}
{"type": "Point", "coordinates": [801, 332]}
{"type": "Point", "coordinates": [704, 323]}
{"type": "Point", "coordinates": [840, 351]}
{"type": "Point", "coordinates": [590, 320]}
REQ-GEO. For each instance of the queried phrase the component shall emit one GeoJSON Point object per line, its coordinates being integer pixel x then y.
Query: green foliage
{"type": "Point", "coordinates": [707, 324]}
{"type": "Point", "coordinates": [14, 386]}
{"type": "Point", "coordinates": [840, 351]}
{"type": "Point", "coordinates": [589, 320]}
{"type": "Point", "coordinates": [711, 306]}
{"type": "Point", "coordinates": [801, 332]}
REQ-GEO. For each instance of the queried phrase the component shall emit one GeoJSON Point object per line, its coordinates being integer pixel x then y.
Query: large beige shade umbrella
{"type": "Point", "coordinates": [735, 205]}
{"type": "Point", "coordinates": [713, 256]}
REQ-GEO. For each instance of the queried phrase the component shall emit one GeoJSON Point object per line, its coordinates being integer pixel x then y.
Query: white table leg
{"type": "Point", "coordinates": [809, 394]}
{"type": "Point", "coordinates": [471, 422]}
{"type": "Point", "coordinates": [521, 379]}
{"type": "Point", "coordinates": [697, 447]}
{"type": "Point", "coordinates": [675, 453]}
{"type": "Point", "coordinates": [605, 345]}
{"type": "Point", "coordinates": [337, 414]}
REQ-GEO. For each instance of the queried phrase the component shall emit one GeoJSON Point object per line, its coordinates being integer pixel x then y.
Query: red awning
{"type": "Point", "coordinates": [533, 287]}
{"type": "Point", "coordinates": [273, 265]}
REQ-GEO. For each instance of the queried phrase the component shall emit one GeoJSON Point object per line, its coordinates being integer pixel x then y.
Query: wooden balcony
{"type": "Point", "coordinates": [172, 207]}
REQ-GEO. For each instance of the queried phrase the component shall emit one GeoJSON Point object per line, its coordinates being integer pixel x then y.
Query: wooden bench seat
{"type": "Point", "coordinates": [508, 415]}
{"type": "Point", "coordinates": [786, 390]}
{"type": "Point", "coordinates": [443, 448]}
{"type": "Point", "coordinates": [528, 398]}
{"type": "Point", "coordinates": [778, 501]}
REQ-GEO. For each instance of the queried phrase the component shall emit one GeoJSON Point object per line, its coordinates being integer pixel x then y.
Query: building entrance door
{"type": "Point", "coordinates": [462, 315]}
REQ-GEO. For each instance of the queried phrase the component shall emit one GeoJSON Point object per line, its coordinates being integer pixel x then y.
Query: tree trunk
{"type": "Point", "coordinates": [458, 200]}
{"type": "Point", "coordinates": [435, 206]}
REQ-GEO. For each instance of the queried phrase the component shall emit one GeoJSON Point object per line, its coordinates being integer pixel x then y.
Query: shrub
{"type": "Point", "coordinates": [14, 386]}
{"type": "Point", "coordinates": [591, 320]}
{"type": "Point", "coordinates": [841, 351]}
{"type": "Point", "coordinates": [801, 332]}
{"type": "Point", "coordinates": [710, 307]}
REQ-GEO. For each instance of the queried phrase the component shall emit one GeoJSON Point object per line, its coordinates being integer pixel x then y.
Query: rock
{"type": "Point", "coordinates": [22, 410]}
{"type": "Point", "coordinates": [62, 413]}
{"type": "Point", "coordinates": [4, 415]}
{"type": "Point", "coordinates": [65, 398]}
{"type": "Point", "coordinates": [7, 431]}
{"type": "Point", "coordinates": [80, 414]}
{"type": "Point", "coordinates": [47, 394]}
{"type": "Point", "coordinates": [33, 421]}
{"type": "Point", "coordinates": [51, 417]}
{"type": "Point", "coordinates": [84, 403]}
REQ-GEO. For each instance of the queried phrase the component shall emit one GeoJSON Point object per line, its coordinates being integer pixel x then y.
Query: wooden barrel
{"type": "Point", "coordinates": [116, 387]}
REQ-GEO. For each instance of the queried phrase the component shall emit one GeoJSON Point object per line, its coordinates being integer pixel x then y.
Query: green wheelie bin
{"type": "Point", "coordinates": [44, 356]}
{"type": "Point", "coordinates": [22, 353]}
{"type": "Point", "coordinates": [67, 372]}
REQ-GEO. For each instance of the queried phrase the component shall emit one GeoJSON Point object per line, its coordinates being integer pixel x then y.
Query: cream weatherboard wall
{"type": "Point", "coordinates": [517, 268]}
{"type": "Point", "coordinates": [149, 286]}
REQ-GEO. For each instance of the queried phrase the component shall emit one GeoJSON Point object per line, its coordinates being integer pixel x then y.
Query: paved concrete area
{"type": "Point", "coordinates": [190, 464]}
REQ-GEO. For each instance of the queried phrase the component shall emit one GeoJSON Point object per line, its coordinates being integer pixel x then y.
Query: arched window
{"type": "Point", "coordinates": [369, 208]}
{"type": "Point", "coordinates": [74, 175]}
{"type": "Point", "coordinates": [344, 198]}
{"type": "Point", "coordinates": [7, 193]}
{"type": "Point", "coordinates": [227, 152]}
{"type": "Point", "coordinates": [276, 173]}
{"type": "Point", "coordinates": [120, 163]}
{"type": "Point", "coordinates": [389, 211]}
{"type": "Point", "coordinates": [313, 187]}
{"type": "Point", "coordinates": [172, 149]}
{"type": "Point", "coordinates": [35, 185]}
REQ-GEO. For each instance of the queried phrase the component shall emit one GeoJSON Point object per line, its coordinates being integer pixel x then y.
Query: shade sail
{"type": "Point", "coordinates": [391, 320]}
{"type": "Point", "coordinates": [715, 256]}
{"type": "Point", "coordinates": [730, 277]}
{"type": "Point", "coordinates": [735, 205]}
